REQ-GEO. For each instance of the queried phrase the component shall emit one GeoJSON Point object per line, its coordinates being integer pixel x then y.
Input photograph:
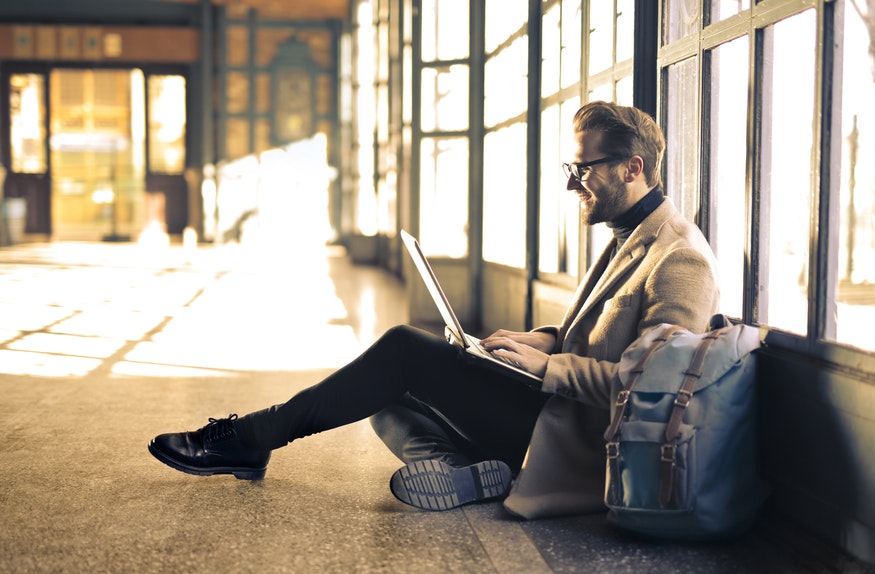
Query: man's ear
{"type": "Point", "coordinates": [634, 168]}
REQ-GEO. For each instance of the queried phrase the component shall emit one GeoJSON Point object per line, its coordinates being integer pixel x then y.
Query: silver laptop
{"type": "Point", "coordinates": [453, 330]}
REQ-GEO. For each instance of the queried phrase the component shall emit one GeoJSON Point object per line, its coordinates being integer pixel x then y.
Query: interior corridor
{"type": "Point", "coordinates": [103, 346]}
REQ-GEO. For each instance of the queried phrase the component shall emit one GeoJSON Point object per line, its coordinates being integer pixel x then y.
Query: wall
{"type": "Point", "coordinates": [817, 437]}
{"type": "Point", "coordinates": [103, 44]}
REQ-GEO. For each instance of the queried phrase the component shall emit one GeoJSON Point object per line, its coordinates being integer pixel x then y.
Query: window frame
{"type": "Point", "coordinates": [824, 180]}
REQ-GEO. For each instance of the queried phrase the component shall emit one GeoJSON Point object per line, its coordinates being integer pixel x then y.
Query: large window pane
{"type": "Point", "coordinates": [601, 36]}
{"type": "Point", "coordinates": [679, 18]}
{"type": "Point", "coordinates": [727, 143]}
{"type": "Point", "coordinates": [722, 9]}
{"type": "Point", "coordinates": [507, 83]}
{"type": "Point", "coordinates": [569, 204]}
{"type": "Point", "coordinates": [443, 200]}
{"type": "Point", "coordinates": [551, 187]}
{"type": "Point", "coordinates": [551, 47]}
{"type": "Point", "coordinates": [445, 98]}
{"type": "Point", "coordinates": [856, 239]}
{"type": "Point", "coordinates": [603, 92]}
{"type": "Point", "coordinates": [788, 108]}
{"type": "Point", "coordinates": [625, 29]}
{"type": "Point", "coordinates": [166, 124]}
{"type": "Point", "coordinates": [682, 153]}
{"type": "Point", "coordinates": [571, 37]}
{"type": "Point", "coordinates": [503, 19]}
{"type": "Point", "coordinates": [504, 201]}
{"type": "Point", "coordinates": [624, 91]}
{"type": "Point", "coordinates": [27, 115]}
{"type": "Point", "coordinates": [444, 30]}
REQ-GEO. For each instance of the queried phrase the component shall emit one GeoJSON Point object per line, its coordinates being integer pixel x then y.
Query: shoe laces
{"type": "Point", "coordinates": [219, 429]}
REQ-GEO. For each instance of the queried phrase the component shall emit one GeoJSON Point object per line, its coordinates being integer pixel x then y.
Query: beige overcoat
{"type": "Point", "coordinates": [664, 273]}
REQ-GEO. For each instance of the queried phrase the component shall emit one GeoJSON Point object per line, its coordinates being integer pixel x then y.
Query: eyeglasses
{"type": "Point", "coordinates": [581, 170]}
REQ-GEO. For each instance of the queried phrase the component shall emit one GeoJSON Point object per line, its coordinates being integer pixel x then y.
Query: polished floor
{"type": "Point", "coordinates": [103, 346]}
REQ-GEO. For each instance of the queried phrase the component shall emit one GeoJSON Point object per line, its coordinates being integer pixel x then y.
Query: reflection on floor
{"type": "Point", "coordinates": [103, 346]}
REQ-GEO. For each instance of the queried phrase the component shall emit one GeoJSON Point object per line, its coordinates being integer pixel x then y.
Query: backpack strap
{"type": "Point", "coordinates": [612, 446]}
{"type": "Point", "coordinates": [668, 452]}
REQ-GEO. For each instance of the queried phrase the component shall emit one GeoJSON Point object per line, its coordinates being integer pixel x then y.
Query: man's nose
{"type": "Point", "coordinates": [573, 184]}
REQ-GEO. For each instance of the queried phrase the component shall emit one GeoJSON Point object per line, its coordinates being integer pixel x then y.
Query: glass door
{"type": "Point", "coordinates": [97, 151]}
{"type": "Point", "coordinates": [25, 194]}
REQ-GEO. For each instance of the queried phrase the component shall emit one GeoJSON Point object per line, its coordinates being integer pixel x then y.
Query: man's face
{"type": "Point", "coordinates": [602, 192]}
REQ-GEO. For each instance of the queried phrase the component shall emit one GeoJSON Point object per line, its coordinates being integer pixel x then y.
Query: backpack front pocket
{"type": "Point", "coordinates": [635, 468]}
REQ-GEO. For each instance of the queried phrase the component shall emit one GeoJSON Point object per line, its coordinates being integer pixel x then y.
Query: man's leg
{"type": "Point", "coordinates": [484, 407]}
{"type": "Point", "coordinates": [413, 431]}
{"type": "Point", "coordinates": [460, 446]}
{"type": "Point", "coordinates": [403, 360]}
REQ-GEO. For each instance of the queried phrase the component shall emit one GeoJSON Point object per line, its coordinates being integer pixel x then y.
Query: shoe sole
{"type": "Point", "coordinates": [435, 485]}
{"type": "Point", "coordinates": [240, 473]}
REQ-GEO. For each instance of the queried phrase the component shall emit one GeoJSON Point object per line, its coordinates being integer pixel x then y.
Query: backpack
{"type": "Point", "coordinates": [682, 446]}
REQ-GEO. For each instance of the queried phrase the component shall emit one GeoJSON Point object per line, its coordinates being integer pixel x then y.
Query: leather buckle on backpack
{"type": "Point", "coordinates": [683, 398]}
{"type": "Point", "coordinates": [668, 452]}
{"type": "Point", "coordinates": [623, 397]}
{"type": "Point", "coordinates": [613, 449]}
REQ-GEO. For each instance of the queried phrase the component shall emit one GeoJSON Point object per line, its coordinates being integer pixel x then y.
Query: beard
{"type": "Point", "coordinates": [607, 202]}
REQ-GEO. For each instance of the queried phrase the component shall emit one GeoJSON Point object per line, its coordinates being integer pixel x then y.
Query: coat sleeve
{"type": "Point", "coordinates": [681, 289]}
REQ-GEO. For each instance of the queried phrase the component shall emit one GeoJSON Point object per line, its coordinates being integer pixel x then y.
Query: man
{"type": "Point", "coordinates": [463, 430]}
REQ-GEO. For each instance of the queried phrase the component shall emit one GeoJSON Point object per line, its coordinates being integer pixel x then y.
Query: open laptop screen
{"type": "Point", "coordinates": [434, 288]}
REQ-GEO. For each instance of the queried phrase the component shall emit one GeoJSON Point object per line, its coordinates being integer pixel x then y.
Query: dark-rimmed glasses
{"type": "Point", "coordinates": [581, 170]}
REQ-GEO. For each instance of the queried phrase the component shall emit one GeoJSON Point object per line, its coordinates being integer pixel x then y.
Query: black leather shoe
{"type": "Point", "coordinates": [213, 449]}
{"type": "Point", "coordinates": [435, 485]}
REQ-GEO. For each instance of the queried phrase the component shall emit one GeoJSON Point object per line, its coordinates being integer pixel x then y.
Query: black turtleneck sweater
{"type": "Point", "coordinates": [624, 225]}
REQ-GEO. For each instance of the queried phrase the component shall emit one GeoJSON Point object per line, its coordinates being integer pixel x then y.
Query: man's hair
{"type": "Point", "coordinates": [626, 131]}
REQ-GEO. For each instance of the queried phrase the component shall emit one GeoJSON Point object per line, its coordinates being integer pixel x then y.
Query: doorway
{"type": "Point", "coordinates": [97, 153]}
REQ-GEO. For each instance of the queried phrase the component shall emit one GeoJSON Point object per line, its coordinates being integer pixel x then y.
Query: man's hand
{"type": "Point", "coordinates": [529, 349]}
{"type": "Point", "coordinates": [539, 340]}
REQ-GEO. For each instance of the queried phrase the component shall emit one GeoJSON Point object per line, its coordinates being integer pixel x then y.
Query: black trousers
{"type": "Point", "coordinates": [426, 398]}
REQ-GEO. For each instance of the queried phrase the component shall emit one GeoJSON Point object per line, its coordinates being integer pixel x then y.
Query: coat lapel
{"type": "Point", "coordinates": [607, 272]}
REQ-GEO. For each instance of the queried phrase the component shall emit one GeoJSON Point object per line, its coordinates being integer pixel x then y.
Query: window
{"type": "Point", "coordinates": [444, 157]}
{"type": "Point", "coordinates": [609, 78]}
{"type": "Point", "coordinates": [788, 114]}
{"type": "Point", "coordinates": [728, 134]}
{"type": "Point", "coordinates": [722, 9]}
{"type": "Point", "coordinates": [681, 131]}
{"type": "Point", "coordinates": [444, 195]}
{"type": "Point", "coordinates": [166, 124]}
{"type": "Point", "coordinates": [27, 113]}
{"type": "Point", "coordinates": [747, 137]}
{"type": "Point", "coordinates": [855, 268]}
{"type": "Point", "coordinates": [559, 225]}
{"type": "Point", "coordinates": [504, 146]}
{"type": "Point", "coordinates": [504, 196]}
{"type": "Point", "coordinates": [445, 98]}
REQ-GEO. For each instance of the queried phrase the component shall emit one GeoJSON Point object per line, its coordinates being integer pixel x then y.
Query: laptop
{"type": "Point", "coordinates": [453, 329]}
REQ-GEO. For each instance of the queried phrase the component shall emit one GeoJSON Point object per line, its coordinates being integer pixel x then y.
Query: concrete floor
{"type": "Point", "coordinates": [103, 346]}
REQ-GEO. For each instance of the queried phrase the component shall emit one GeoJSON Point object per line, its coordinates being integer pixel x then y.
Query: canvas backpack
{"type": "Point", "coordinates": [682, 446]}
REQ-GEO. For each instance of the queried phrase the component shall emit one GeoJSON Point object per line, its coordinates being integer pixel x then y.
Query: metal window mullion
{"type": "Point", "coordinates": [476, 133]}
{"type": "Point", "coordinates": [533, 155]}
{"type": "Point", "coordinates": [416, 116]}
{"type": "Point", "coordinates": [756, 196]}
{"type": "Point", "coordinates": [646, 40]}
{"type": "Point", "coordinates": [826, 157]}
{"type": "Point", "coordinates": [706, 214]}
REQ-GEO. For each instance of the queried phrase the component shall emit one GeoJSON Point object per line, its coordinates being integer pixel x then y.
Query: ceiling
{"type": "Point", "coordinates": [283, 9]}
